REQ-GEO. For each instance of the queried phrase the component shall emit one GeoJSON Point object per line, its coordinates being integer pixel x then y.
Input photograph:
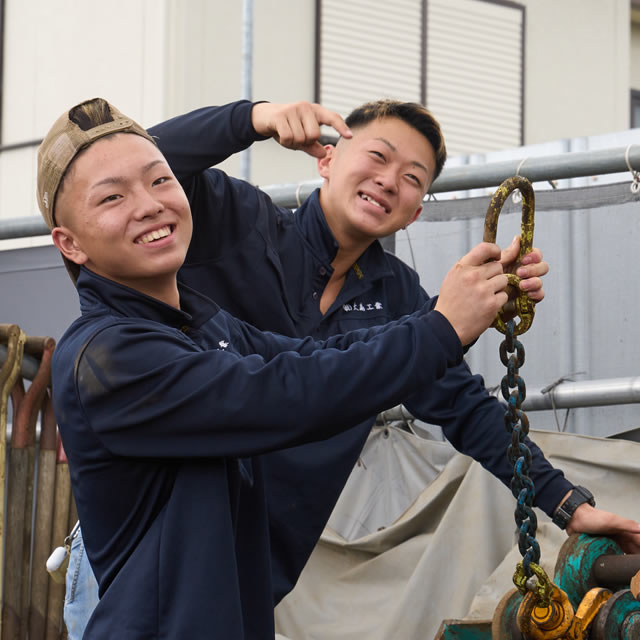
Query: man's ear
{"type": "Point", "coordinates": [66, 243]}
{"type": "Point", "coordinates": [324, 163]}
{"type": "Point", "coordinates": [415, 215]}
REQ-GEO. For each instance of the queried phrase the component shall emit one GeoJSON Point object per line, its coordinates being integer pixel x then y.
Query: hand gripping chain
{"type": "Point", "coordinates": [525, 308]}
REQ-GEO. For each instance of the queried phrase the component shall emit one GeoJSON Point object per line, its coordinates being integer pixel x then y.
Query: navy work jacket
{"type": "Point", "coordinates": [269, 267]}
{"type": "Point", "coordinates": [165, 415]}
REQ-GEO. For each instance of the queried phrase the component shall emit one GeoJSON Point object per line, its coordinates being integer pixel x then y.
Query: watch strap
{"type": "Point", "coordinates": [578, 496]}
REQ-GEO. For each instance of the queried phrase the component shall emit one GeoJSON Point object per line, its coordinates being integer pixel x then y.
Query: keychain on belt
{"type": "Point", "coordinates": [58, 561]}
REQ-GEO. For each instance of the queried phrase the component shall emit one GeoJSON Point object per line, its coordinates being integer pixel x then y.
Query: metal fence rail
{"type": "Point", "coordinates": [578, 164]}
{"type": "Point", "coordinates": [563, 395]}
{"type": "Point", "coordinates": [538, 169]}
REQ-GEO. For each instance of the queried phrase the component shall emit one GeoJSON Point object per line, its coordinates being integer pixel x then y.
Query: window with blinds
{"type": "Point", "coordinates": [464, 59]}
{"type": "Point", "coordinates": [369, 49]}
{"type": "Point", "coordinates": [475, 73]}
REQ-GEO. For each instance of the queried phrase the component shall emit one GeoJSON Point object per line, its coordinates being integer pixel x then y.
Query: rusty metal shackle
{"type": "Point", "coordinates": [525, 307]}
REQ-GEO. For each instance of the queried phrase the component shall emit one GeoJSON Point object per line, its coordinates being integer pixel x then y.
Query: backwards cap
{"type": "Point", "coordinates": [61, 145]}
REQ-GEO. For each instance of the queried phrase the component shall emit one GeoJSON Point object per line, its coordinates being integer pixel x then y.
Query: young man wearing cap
{"type": "Point", "coordinates": [322, 272]}
{"type": "Point", "coordinates": [166, 403]}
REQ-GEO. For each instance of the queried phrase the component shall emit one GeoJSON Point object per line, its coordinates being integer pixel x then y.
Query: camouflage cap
{"type": "Point", "coordinates": [61, 145]}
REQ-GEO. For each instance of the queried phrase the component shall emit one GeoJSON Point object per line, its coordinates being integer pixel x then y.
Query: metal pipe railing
{"type": "Point", "coordinates": [584, 393]}
{"type": "Point", "coordinates": [29, 367]}
{"type": "Point", "coordinates": [16, 146]}
{"type": "Point", "coordinates": [24, 227]}
{"type": "Point", "coordinates": [577, 164]}
{"type": "Point", "coordinates": [564, 395]}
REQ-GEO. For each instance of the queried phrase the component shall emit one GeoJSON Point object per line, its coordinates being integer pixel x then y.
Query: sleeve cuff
{"type": "Point", "coordinates": [241, 121]}
{"type": "Point", "coordinates": [447, 336]}
{"type": "Point", "coordinates": [549, 499]}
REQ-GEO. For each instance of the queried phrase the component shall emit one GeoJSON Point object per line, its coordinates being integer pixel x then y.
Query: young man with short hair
{"type": "Point", "coordinates": [320, 270]}
{"type": "Point", "coordinates": [168, 406]}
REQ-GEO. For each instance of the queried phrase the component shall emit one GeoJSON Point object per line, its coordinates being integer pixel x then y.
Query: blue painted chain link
{"type": "Point", "coordinates": [517, 424]}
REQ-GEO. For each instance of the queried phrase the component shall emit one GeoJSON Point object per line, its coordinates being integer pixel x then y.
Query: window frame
{"type": "Point", "coordinates": [318, 52]}
{"type": "Point", "coordinates": [424, 52]}
{"type": "Point", "coordinates": [634, 101]}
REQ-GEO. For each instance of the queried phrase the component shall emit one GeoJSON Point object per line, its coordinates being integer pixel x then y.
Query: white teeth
{"type": "Point", "coordinates": [154, 235]}
{"type": "Point", "coordinates": [364, 196]}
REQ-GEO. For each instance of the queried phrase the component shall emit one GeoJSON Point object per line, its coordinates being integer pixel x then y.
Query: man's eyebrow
{"type": "Point", "coordinates": [109, 180]}
{"type": "Point", "coordinates": [122, 179]}
{"type": "Point", "coordinates": [415, 163]}
{"type": "Point", "coordinates": [385, 141]}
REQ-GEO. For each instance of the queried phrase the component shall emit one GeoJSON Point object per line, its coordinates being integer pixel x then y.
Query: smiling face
{"type": "Point", "coordinates": [375, 182]}
{"type": "Point", "coordinates": [122, 213]}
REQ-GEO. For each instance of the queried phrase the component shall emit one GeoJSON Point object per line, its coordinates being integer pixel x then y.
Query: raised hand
{"type": "Point", "coordinates": [297, 125]}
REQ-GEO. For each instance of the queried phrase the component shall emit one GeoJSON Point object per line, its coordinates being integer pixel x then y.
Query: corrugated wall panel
{"type": "Point", "coordinates": [474, 73]}
{"type": "Point", "coordinates": [369, 50]}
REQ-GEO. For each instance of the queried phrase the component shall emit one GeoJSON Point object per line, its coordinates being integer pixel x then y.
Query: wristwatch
{"type": "Point", "coordinates": [578, 496]}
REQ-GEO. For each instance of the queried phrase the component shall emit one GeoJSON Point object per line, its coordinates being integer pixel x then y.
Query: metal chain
{"type": "Point", "coordinates": [514, 392]}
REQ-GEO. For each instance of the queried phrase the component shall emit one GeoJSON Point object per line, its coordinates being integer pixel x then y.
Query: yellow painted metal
{"type": "Point", "coordinates": [557, 620]}
{"type": "Point", "coordinates": [635, 586]}
{"type": "Point", "coordinates": [542, 622]}
{"type": "Point", "coordinates": [543, 588]}
{"type": "Point", "coordinates": [588, 610]}
{"type": "Point", "coordinates": [524, 306]}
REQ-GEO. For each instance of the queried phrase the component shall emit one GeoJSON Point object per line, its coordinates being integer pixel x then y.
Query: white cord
{"type": "Point", "coordinates": [635, 175]}
{"type": "Point", "coordinates": [520, 165]}
{"type": "Point", "coordinates": [516, 196]}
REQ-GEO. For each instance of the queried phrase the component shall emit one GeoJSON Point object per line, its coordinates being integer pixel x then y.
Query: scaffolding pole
{"type": "Point", "coordinates": [578, 164]}
{"type": "Point", "coordinates": [563, 395]}
{"type": "Point", "coordinates": [584, 393]}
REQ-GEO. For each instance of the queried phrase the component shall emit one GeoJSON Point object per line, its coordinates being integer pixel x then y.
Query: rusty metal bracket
{"type": "Point", "coordinates": [26, 407]}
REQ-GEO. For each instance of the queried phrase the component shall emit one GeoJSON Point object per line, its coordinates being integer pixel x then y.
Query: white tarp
{"type": "Point", "coordinates": [397, 558]}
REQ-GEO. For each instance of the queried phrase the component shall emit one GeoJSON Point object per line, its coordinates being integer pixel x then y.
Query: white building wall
{"type": "Point", "coordinates": [205, 67]}
{"type": "Point", "coordinates": [576, 68]}
{"type": "Point", "coordinates": [283, 71]}
{"type": "Point", "coordinates": [60, 52]}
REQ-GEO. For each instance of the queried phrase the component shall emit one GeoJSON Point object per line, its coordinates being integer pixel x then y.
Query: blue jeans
{"type": "Point", "coordinates": [81, 590]}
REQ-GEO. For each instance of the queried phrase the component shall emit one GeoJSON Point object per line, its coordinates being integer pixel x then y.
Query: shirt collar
{"type": "Point", "coordinates": [312, 224]}
{"type": "Point", "coordinates": [94, 289]}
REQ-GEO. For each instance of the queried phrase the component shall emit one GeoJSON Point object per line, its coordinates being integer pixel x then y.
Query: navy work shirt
{"type": "Point", "coordinates": [164, 414]}
{"type": "Point", "coordinates": [269, 267]}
